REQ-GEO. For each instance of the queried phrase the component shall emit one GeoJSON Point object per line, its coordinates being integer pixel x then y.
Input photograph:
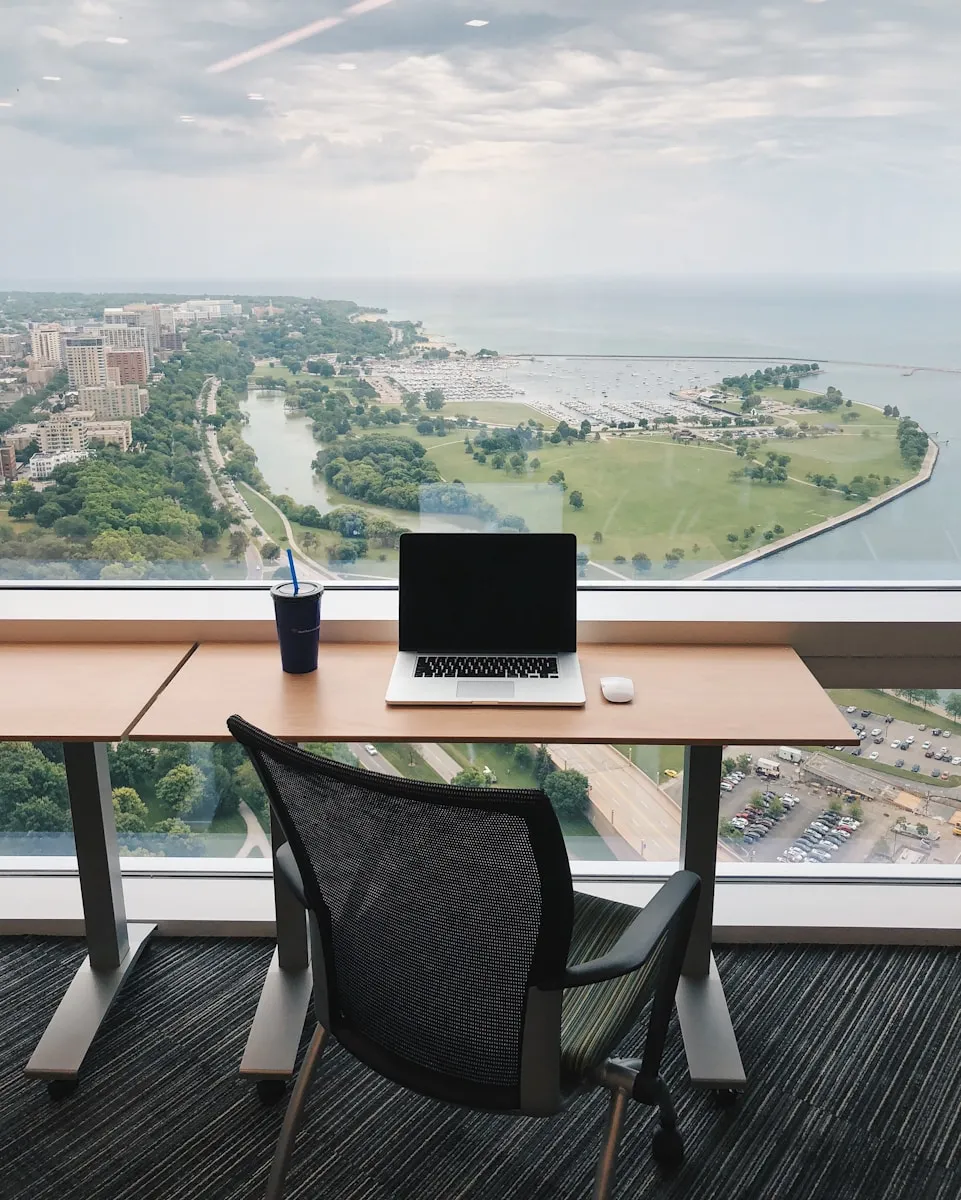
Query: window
{"type": "Point", "coordinates": [664, 279]}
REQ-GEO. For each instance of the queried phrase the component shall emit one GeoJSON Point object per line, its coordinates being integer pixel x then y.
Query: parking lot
{"type": "Point", "coordinates": [884, 742]}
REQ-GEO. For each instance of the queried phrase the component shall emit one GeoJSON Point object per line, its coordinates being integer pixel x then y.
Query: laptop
{"type": "Point", "coordinates": [487, 618]}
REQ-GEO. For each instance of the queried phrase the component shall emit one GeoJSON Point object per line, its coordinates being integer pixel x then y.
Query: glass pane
{"type": "Point", "coordinates": [34, 806]}
{"type": "Point", "coordinates": [895, 799]}
{"type": "Point", "coordinates": [660, 278]}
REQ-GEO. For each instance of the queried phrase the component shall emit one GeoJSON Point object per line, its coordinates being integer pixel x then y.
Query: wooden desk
{"type": "Point", "coordinates": [701, 697]}
{"type": "Point", "coordinates": [85, 696]}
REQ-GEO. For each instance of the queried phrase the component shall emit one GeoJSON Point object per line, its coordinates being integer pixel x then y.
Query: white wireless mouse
{"type": "Point", "coordinates": [618, 689]}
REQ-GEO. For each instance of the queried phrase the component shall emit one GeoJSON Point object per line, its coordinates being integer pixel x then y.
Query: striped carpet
{"type": "Point", "coordinates": [853, 1055]}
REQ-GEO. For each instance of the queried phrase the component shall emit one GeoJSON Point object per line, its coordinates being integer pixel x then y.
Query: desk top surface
{"type": "Point", "coordinates": [79, 692]}
{"type": "Point", "coordinates": [684, 695]}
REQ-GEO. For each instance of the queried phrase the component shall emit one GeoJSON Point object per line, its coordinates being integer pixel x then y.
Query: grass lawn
{"type": "Point", "coordinates": [263, 370]}
{"type": "Point", "coordinates": [234, 824]}
{"type": "Point", "coordinates": [887, 769]}
{"type": "Point", "coordinates": [222, 567]}
{"type": "Point", "coordinates": [407, 760]}
{"type": "Point", "coordinates": [652, 759]}
{"type": "Point", "coordinates": [881, 704]}
{"type": "Point", "coordinates": [498, 412]}
{"type": "Point", "coordinates": [493, 755]}
{"type": "Point", "coordinates": [650, 494]}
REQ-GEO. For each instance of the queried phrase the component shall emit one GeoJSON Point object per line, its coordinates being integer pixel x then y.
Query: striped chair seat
{"type": "Point", "coordinates": [597, 1017]}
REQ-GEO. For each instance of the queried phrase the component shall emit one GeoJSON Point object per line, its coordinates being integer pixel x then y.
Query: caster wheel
{"type": "Point", "coordinates": [668, 1147]}
{"type": "Point", "coordinates": [725, 1097]}
{"type": "Point", "coordinates": [269, 1091]}
{"type": "Point", "coordinates": [60, 1089]}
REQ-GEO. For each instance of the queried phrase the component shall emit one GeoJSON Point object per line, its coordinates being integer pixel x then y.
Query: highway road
{"type": "Point", "coordinates": [432, 754]}
{"type": "Point", "coordinates": [372, 762]}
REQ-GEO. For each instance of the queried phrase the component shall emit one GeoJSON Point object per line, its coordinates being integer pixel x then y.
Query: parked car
{"type": "Point", "coordinates": [909, 739]}
{"type": "Point", "coordinates": [929, 754]}
{"type": "Point", "coordinates": [888, 719]}
{"type": "Point", "coordinates": [936, 773]}
{"type": "Point", "coordinates": [726, 787]}
{"type": "Point", "coordinates": [904, 746]}
{"type": "Point", "coordinates": [820, 855]}
{"type": "Point", "coordinates": [915, 767]}
{"type": "Point", "coordinates": [876, 732]}
{"type": "Point", "coordinates": [945, 732]}
{"type": "Point", "coordinates": [843, 834]}
{"type": "Point", "coordinates": [856, 752]}
{"type": "Point", "coordinates": [879, 741]}
{"type": "Point", "coordinates": [865, 712]}
{"type": "Point", "coordinates": [936, 732]}
{"type": "Point", "coordinates": [899, 762]}
{"type": "Point", "coordinates": [925, 745]}
{"type": "Point", "coordinates": [750, 838]}
{"type": "Point", "coordinates": [851, 708]}
{"type": "Point", "coordinates": [922, 728]}
{"type": "Point", "coordinates": [956, 761]}
{"type": "Point", "coordinates": [895, 745]}
{"type": "Point", "coordinates": [873, 754]}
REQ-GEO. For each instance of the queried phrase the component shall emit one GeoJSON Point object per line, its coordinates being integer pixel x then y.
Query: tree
{"type": "Point", "coordinates": [952, 704]}
{"type": "Point", "coordinates": [132, 767]}
{"type": "Point", "coordinates": [731, 832]}
{"type": "Point", "coordinates": [598, 537]}
{"type": "Point", "coordinates": [757, 801]}
{"type": "Point", "coordinates": [237, 543]}
{"type": "Point", "coordinates": [568, 792]}
{"type": "Point", "coordinates": [543, 765]}
{"type": "Point", "coordinates": [130, 812]}
{"type": "Point", "coordinates": [535, 464]}
{"type": "Point", "coordinates": [743, 762]}
{"type": "Point", "coordinates": [857, 812]}
{"type": "Point", "coordinates": [42, 814]}
{"type": "Point", "coordinates": [835, 805]}
{"type": "Point", "coordinates": [523, 756]}
{"type": "Point", "coordinates": [434, 400]}
{"type": "Point", "coordinates": [640, 562]}
{"type": "Point", "coordinates": [728, 766]}
{"type": "Point", "coordinates": [270, 551]}
{"type": "Point", "coordinates": [576, 500]}
{"type": "Point", "coordinates": [181, 789]}
{"type": "Point", "coordinates": [732, 538]}
{"type": "Point", "coordinates": [471, 776]}
{"type": "Point", "coordinates": [776, 807]}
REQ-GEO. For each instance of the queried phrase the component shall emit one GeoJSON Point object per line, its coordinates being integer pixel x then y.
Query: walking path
{"type": "Point", "coordinates": [256, 838]}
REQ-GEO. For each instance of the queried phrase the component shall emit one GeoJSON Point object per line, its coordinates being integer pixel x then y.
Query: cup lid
{"type": "Point", "coordinates": [307, 587]}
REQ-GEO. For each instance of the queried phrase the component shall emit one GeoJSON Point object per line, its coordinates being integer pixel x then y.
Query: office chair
{"type": "Point", "coordinates": [451, 954]}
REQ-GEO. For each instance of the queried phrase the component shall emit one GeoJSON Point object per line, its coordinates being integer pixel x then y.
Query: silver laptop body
{"type": "Point", "coordinates": [487, 619]}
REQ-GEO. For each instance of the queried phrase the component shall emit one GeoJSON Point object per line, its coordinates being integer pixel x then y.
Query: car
{"type": "Point", "coordinates": [819, 827]}
{"type": "Point", "coordinates": [669, 774]}
{"type": "Point", "coordinates": [873, 754]}
{"type": "Point", "coordinates": [738, 823]}
{"type": "Point", "coordinates": [936, 732]}
{"type": "Point", "coordinates": [922, 728]}
{"type": "Point", "coordinates": [925, 745]}
{"type": "Point", "coordinates": [945, 732]}
{"type": "Point", "coordinates": [929, 754]}
{"type": "Point", "coordinates": [820, 855]}
{"type": "Point", "coordinates": [876, 732]}
{"type": "Point", "coordinates": [843, 834]}
{"type": "Point", "coordinates": [370, 749]}
{"type": "Point", "coordinates": [915, 767]}
{"type": "Point", "coordinates": [956, 831]}
{"type": "Point", "coordinates": [865, 712]}
{"type": "Point", "coordinates": [726, 787]}
{"type": "Point", "coordinates": [888, 719]}
{"type": "Point", "coordinates": [905, 746]}
{"type": "Point", "coordinates": [862, 734]}
{"type": "Point", "coordinates": [749, 839]}
{"type": "Point", "coordinates": [851, 708]}
{"type": "Point", "coordinates": [851, 824]}
{"type": "Point", "coordinates": [895, 745]}
{"type": "Point", "coordinates": [767, 822]}
{"type": "Point", "coordinates": [936, 773]}
{"type": "Point", "coordinates": [909, 739]}
{"type": "Point", "coordinates": [829, 818]}
{"type": "Point", "coordinates": [899, 762]}
{"type": "Point", "coordinates": [856, 752]}
{"type": "Point", "coordinates": [956, 761]}
{"type": "Point", "coordinates": [944, 750]}
{"type": "Point", "coordinates": [879, 741]}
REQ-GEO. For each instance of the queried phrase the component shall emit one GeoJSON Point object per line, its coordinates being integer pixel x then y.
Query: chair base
{"type": "Point", "coordinates": [625, 1081]}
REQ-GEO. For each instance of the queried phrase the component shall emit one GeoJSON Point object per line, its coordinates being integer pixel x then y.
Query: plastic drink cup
{"type": "Point", "coordinates": [297, 612]}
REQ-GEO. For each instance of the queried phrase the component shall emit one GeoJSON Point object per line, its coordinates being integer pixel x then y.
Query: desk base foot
{"type": "Point", "coordinates": [278, 1024]}
{"type": "Point", "coordinates": [60, 1052]}
{"type": "Point", "coordinates": [713, 1058]}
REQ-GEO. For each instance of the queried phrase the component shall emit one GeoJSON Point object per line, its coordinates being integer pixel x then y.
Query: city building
{"type": "Point", "coordinates": [207, 310]}
{"type": "Point", "coordinates": [111, 433]}
{"type": "Point", "coordinates": [86, 359]}
{"type": "Point", "coordinates": [11, 345]}
{"type": "Point", "coordinates": [39, 377]}
{"type": "Point", "coordinates": [111, 401]}
{"type": "Point", "coordinates": [46, 345]}
{"type": "Point", "coordinates": [63, 431]}
{"type": "Point", "coordinates": [42, 465]}
{"type": "Point", "coordinates": [20, 436]}
{"type": "Point", "coordinates": [127, 366]}
{"type": "Point", "coordinates": [8, 462]}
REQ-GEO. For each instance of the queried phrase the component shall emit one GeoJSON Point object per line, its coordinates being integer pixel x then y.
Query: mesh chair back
{"type": "Point", "coordinates": [438, 908]}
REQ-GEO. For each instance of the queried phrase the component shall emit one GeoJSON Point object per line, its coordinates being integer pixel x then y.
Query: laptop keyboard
{"type": "Point", "coordinates": [486, 666]}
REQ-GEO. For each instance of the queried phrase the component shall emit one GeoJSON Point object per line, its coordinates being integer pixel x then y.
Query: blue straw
{"type": "Point", "coordinates": [293, 573]}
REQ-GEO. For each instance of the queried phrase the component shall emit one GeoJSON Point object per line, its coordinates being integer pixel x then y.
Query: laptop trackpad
{"type": "Point", "coordinates": [485, 689]}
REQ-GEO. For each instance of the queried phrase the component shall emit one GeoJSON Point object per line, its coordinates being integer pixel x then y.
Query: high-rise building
{"type": "Point", "coordinates": [63, 431]}
{"type": "Point", "coordinates": [46, 345]}
{"type": "Point", "coordinates": [111, 433]}
{"type": "Point", "coordinates": [113, 401]}
{"type": "Point", "coordinates": [124, 337]}
{"type": "Point", "coordinates": [8, 462]}
{"type": "Point", "coordinates": [127, 366]}
{"type": "Point", "coordinates": [86, 359]}
{"type": "Point", "coordinates": [11, 345]}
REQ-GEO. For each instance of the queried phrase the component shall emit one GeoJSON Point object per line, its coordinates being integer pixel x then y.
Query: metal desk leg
{"type": "Point", "coordinates": [712, 1054]}
{"type": "Point", "coordinates": [113, 946]}
{"type": "Point", "coordinates": [279, 1021]}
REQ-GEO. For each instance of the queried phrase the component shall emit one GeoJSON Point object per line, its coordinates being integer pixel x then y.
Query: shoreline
{"type": "Point", "coordinates": [803, 535]}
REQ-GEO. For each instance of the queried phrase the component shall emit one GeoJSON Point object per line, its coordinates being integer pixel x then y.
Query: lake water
{"type": "Point", "coordinates": [902, 323]}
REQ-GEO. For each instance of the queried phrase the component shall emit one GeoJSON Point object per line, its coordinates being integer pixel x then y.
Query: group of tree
{"type": "Point", "coordinates": [912, 442]}
{"type": "Point", "coordinates": [891, 410]}
{"type": "Point", "coordinates": [926, 697]}
{"type": "Point", "coordinates": [750, 532]}
{"type": "Point", "coordinates": [786, 374]}
{"type": "Point", "coordinates": [830, 401]}
{"type": "Point", "coordinates": [772, 470]}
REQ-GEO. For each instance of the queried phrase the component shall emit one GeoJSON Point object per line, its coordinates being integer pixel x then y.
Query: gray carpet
{"type": "Point", "coordinates": [853, 1055]}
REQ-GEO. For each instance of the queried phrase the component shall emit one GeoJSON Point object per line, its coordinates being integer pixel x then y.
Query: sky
{"type": "Point", "coordinates": [172, 139]}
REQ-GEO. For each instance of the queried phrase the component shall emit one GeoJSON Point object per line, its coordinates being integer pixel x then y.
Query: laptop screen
{"type": "Point", "coordinates": [476, 593]}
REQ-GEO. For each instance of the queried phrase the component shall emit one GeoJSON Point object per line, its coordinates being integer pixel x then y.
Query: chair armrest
{"type": "Point", "coordinates": [286, 864]}
{"type": "Point", "coordinates": [639, 940]}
